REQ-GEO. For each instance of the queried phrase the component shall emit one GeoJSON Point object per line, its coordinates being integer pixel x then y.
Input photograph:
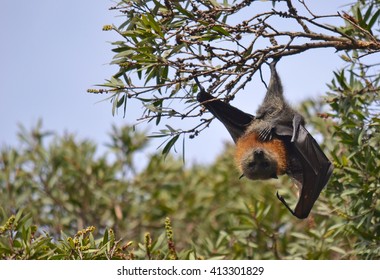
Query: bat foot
{"type": "Point", "coordinates": [272, 65]}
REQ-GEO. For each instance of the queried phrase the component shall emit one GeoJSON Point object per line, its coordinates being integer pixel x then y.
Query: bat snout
{"type": "Point", "coordinates": [259, 153]}
{"type": "Point", "coordinates": [258, 165]}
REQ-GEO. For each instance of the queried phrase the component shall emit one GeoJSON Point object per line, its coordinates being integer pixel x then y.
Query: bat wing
{"type": "Point", "coordinates": [312, 172]}
{"type": "Point", "coordinates": [235, 120]}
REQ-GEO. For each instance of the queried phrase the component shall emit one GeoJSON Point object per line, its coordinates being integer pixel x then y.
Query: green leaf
{"type": "Point", "coordinates": [172, 130]}
{"type": "Point", "coordinates": [125, 54]}
{"type": "Point", "coordinates": [150, 73]}
{"type": "Point", "coordinates": [221, 30]}
{"type": "Point", "coordinates": [300, 235]}
{"type": "Point", "coordinates": [248, 51]}
{"type": "Point", "coordinates": [169, 145]}
{"type": "Point", "coordinates": [359, 16]}
{"type": "Point", "coordinates": [155, 25]}
{"type": "Point", "coordinates": [368, 13]}
{"type": "Point", "coordinates": [144, 20]}
{"type": "Point", "coordinates": [159, 243]}
{"type": "Point", "coordinates": [120, 102]}
{"type": "Point", "coordinates": [374, 19]}
{"type": "Point", "coordinates": [182, 10]}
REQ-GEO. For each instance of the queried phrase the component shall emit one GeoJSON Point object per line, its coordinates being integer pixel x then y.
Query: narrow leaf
{"type": "Point", "coordinates": [169, 145]}
{"type": "Point", "coordinates": [374, 19]}
{"type": "Point", "coordinates": [221, 30]}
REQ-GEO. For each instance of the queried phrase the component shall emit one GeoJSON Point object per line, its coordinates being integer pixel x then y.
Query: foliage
{"type": "Point", "coordinates": [19, 240]}
{"type": "Point", "coordinates": [355, 100]}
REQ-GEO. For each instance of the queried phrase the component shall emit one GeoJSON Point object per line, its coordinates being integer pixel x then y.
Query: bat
{"type": "Point", "coordinates": [273, 143]}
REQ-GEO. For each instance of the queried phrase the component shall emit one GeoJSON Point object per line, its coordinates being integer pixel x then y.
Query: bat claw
{"type": "Point", "coordinates": [297, 121]}
{"type": "Point", "coordinates": [285, 203]}
{"type": "Point", "coordinates": [266, 134]}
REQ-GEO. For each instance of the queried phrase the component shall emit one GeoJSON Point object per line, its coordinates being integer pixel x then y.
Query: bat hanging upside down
{"type": "Point", "coordinates": [273, 143]}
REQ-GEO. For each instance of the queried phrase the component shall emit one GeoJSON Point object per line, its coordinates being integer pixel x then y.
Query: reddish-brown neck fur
{"type": "Point", "coordinates": [250, 141]}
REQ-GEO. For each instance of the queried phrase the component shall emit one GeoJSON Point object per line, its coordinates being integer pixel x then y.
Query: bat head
{"type": "Point", "coordinates": [258, 164]}
{"type": "Point", "coordinates": [259, 160]}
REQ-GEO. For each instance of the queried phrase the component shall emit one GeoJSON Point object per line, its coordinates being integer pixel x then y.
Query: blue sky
{"type": "Point", "coordinates": [53, 51]}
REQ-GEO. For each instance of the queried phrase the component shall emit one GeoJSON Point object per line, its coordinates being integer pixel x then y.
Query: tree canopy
{"type": "Point", "coordinates": [59, 199]}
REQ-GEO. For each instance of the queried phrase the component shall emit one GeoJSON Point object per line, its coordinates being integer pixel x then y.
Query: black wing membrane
{"type": "Point", "coordinates": [316, 168]}
{"type": "Point", "coordinates": [235, 120]}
